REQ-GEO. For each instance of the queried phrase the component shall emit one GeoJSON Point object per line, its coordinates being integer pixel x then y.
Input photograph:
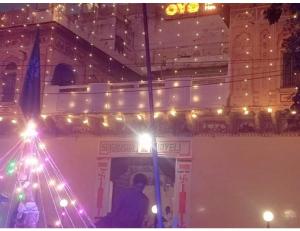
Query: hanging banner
{"type": "Point", "coordinates": [176, 148]}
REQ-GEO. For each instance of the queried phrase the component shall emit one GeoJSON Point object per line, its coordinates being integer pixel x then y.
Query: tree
{"type": "Point", "coordinates": [38, 194]}
{"type": "Point", "coordinates": [296, 99]}
{"type": "Point", "coordinates": [292, 25]}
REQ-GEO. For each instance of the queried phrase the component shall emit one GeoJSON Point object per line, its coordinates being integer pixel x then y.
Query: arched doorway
{"type": "Point", "coordinates": [63, 75]}
{"type": "Point", "coordinates": [124, 169]}
{"type": "Point", "coordinates": [8, 81]}
{"type": "Point", "coordinates": [119, 160]}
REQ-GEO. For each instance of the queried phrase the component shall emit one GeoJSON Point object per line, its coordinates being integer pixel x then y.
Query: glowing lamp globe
{"type": "Point", "coordinates": [30, 131]}
{"type": "Point", "coordinates": [144, 142]}
{"type": "Point", "coordinates": [154, 209]}
{"type": "Point", "coordinates": [268, 216]}
{"type": "Point", "coordinates": [63, 203]}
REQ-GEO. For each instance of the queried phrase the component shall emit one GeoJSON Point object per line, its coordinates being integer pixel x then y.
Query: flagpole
{"type": "Point", "coordinates": [151, 112]}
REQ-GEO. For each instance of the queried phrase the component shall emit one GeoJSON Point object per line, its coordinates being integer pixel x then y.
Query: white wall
{"type": "Point", "coordinates": [236, 178]}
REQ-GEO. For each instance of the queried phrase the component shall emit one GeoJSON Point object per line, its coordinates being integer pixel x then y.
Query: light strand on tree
{"type": "Point", "coordinates": [60, 176]}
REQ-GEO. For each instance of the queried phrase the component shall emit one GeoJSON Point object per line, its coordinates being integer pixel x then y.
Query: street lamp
{"type": "Point", "coordinates": [268, 217]}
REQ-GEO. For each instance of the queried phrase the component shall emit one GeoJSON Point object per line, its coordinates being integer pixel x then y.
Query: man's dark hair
{"type": "Point", "coordinates": [140, 179]}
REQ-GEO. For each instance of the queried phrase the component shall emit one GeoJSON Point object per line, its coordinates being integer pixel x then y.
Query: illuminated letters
{"type": "Point", "coordinates": [171, 9]}
{"type": "Point", "coordinates": [209, 6]}
{"type": "Point", "coordinates": [193, 8]}
{"type": "Point", "coordinates": [187, 8]}
{"type": "Point", "coordinates": [181, 7]}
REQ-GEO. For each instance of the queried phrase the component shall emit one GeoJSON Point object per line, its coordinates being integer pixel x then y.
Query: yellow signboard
{"type": "Point", "coordinates": [188, 8]}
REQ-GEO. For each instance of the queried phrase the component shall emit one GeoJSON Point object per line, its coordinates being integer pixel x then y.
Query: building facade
{"type": "Point", "coordinates": [221, 91]}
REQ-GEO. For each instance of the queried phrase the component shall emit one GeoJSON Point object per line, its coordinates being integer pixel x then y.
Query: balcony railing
{"type": "Point", "coordinates": [132, 97]}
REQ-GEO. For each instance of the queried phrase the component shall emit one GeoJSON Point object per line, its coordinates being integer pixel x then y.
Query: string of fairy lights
{"type": "Point", "coordinates": [247, 64]}
{"type": "Point", "coordinates": [34, 172]}
{"type": "Point", "coordinates": [250, 66]}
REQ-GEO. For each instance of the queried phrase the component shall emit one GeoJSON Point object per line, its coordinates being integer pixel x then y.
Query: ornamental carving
{"type": "Point", "coordinates": [242, 43]}
{"type": "Point", "coordinates": [243, 17]}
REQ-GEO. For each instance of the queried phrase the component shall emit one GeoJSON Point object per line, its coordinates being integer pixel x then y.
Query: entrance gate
{"type": "Point", "coordinates": [175, 148]}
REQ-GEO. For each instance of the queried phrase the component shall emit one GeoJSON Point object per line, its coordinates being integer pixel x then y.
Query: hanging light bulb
{"type": "Point", "coordinates": [63, 203]}
{"type": "Point", "coordinates": [245, 109]}
{"type": "Point", "coordinates": [44, 117]}
{"type": "Point", "coordinates": [119, 118]}
{"type": "Point", "coordinates": [140, 116]}
{"type": "Point", "coordinates": [269, 110]}
{"type": "Point", "coordinates": [194, 115]}
{"type": "Point", "coordinates": [220, 111]}
{"type": "Point", "coordinates": [85, 121]}
{"type": "Point", "coordinates": [105, 124]}
{"type": "Point", "coordinates": [156, 115]}
{"type": "Point", "coordinates": [173, 112]}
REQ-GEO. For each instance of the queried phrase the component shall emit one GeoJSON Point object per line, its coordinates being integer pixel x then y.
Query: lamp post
{"type": "Point", "coordinates": [268, 217]}
{"type": "Point", "coordinates": [151, 125]}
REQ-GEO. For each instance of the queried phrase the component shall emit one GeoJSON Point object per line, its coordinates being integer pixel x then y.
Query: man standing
{"type": "Point", "coordinates": [132, 205]}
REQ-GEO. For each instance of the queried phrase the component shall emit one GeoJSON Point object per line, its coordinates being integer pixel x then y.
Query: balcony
{"type": "Point", "coordinates": [132, 97]}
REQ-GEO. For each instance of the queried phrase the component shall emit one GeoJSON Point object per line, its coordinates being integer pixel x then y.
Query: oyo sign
{"type": "Point", "coordinates": [182, 8]}
{"type": "Point", "coordinates": [187, 8]}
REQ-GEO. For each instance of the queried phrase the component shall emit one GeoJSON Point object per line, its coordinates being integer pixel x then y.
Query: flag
{"type": "Point", "coordinates": [30, 95]}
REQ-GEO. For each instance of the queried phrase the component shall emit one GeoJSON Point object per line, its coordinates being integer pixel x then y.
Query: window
{"type": "Point", "coordinates": [63, 75]}
{"type": "Point", "coordinates": [291, 69]}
